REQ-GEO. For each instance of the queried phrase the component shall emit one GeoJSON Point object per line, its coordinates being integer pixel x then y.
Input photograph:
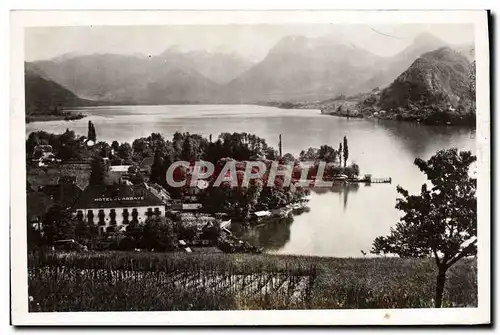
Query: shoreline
{"type": "Point", "coordinates": [453, 121]}
{"type": "Point", "coordinates": [49, 117]}
{"type": "Point", "coordinates": [412, 119]}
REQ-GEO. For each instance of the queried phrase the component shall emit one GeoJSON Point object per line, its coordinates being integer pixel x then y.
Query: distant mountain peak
{"type": "Point", "coordinates": [438, 76]}
{"type": "Point", "coordinates": [65, 56]}
{"type": "Point", "coordinates": [427, 40]}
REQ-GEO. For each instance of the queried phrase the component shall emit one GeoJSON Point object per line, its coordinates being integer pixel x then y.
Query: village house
{"type": "Point", "coordinates": [113, 207]}
{"type": "Point", "coordinates": [145, 165]}
{"type": "Point", "coordinates": [62, 194]}
{"type": "Point", "coordinates": [43, 156]}
{"type": "Point", "coordinates": [192, 192]}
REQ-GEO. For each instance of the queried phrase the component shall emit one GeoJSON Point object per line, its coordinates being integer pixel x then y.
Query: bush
{"type": "Point", "coordinates": [158, 234]}
{"type": "Point", "coordinates": [187, 231]}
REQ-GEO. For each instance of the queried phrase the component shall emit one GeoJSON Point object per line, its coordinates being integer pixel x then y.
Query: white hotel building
{"type": "Point", "coordinates": [113, 207]}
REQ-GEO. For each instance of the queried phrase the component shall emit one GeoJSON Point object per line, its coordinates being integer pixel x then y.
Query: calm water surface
{"type": "Point", "coordinates": [342, 221]}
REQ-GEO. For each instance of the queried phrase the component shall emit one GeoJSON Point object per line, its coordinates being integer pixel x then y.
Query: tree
{"type": "Point", "coordinates": [340, 153]}
{"type": "Point", "coordinates": [125, 151]}
{"type": "Point", "coordinates": [91, 132]}
{"type": "Point", "coordinates": [211, 231]}
{"type": "Point", "coordinates": [158, 234]}
{"type": "Point", "coordinates": [346, 151]}
{"type": "Point", "coordinates": [188, 153]}
{"type": "Point", "coordinates": [288, 158]}
{"type": "Point", "coordinates": [157, 142]}
{"type": "Point", "coordinates": [327, 154]}
{"type": "Point", "coordinates": [58, 224]}
{"type": "Point", "coordinates": [441, 221]}
{"type": "Point", "coordinates": [103, 149]}
{"type": "Point", "coordinates": [141, 149]}
{"type": "Point", "coordinates": [115, 145]}
{"type": "Point", "coordinates": [192, 148]}
{"type": "Point", "coordinates": [157, 169]}
{"type": "Point", "coordinates": [472, 86]}
{"type": "Point", "coordinates": [85, 232]}
{"type": "Point", "coordinates": [252, 195]}
{"type": "Point", "coordinates": [310, 154]}
{"type": "Point", "coordinates": [98, 173]}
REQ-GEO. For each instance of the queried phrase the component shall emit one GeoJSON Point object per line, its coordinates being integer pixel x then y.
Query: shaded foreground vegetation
{"type": "Point", "coordinates": [121, 281]}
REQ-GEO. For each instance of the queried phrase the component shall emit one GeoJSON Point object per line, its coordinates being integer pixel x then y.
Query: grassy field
{"type": "Point", "coordinates": [121, 281]}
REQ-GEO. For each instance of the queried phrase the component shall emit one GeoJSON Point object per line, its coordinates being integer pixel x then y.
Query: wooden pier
{"type": "Point", "coordinates": [377, 180]}
{"type": "Point", "coordinates": [370, 180]}
{"type": "Point", "coordinates": [381, 180]}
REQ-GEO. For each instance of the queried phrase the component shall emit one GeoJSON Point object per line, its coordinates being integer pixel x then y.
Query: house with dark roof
{"type": "Point", "coordinates": [113, 207]}
{"type": "Point", "coordinates": [62, 194]}
{"type": "Point", "coordinates": [145, 166]}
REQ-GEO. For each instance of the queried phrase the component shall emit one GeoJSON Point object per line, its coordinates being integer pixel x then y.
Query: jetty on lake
{"type": "Point", "coordinates": [367, 178]}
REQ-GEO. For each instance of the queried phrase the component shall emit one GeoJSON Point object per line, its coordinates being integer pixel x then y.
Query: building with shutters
{"type": "Point", "coordinates": [113, 207]}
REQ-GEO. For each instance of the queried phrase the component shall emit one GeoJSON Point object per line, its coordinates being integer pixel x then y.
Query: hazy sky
{"type": "Point", "coordinates": [251, 41]}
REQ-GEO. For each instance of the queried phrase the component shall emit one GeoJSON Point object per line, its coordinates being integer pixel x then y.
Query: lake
{"type": "Point", "coordinates": [341, 221]}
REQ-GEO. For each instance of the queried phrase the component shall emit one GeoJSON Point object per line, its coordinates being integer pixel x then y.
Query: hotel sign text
{"type": "Point", "coordinates": [118, 199]}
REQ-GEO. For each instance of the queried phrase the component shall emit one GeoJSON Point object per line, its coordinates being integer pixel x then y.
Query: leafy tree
{"type": "Point", "coordinates": [310, 154]}
{"type": "Point", "coordinates": [103, 149]}
{"type": "Point", "coordinates": [346, 151]}
{"type": "Point", "coordinates": [158, 234]}
{"type": "Point", "coordinates": [125, 151]}
{"type": "Point", "coordinates": [58, 224]}
{"type": "Point", "coordinates": [32, 141]}
{"type": "Point", "coordinates": [269, 153]}
{"type": "Point", "coordinates": [252, 195]}
{"type": "Point", "coordinates": [187, 231]}
{"type": "Point", "coordinates": [157, 143]}
{"type": "Point", "coordinates": [98, 173]}
{"type": "Point", "coordinates": [243, 146]}
{"type": "Point", "coordinates": [288, 158]}
{"type": "Point", "coordinates": [115, 145]}
{"type": "Point", "coordinates": [352, 170]}
{"type": "Point", "coordinates": [188, 150]}
{"type": "Point", "coordinates": [158, 170]}
{"type": "Point", "coordinates": [327, 154]}
{"type": "Point", "coordinates": [193, 147]}
{"type": "Point", "coordinates": [440, 221]}
{"type": "Point", "coordinates": [133, 169]}
{"type": "Point", "coordinates": [85, 232]}
{"type": "Point", "coordinates": [141, 149]}
{"type": "Point", "coordinates": [472, 86]}
{"type": "Point", "coordinates": [211, 231]}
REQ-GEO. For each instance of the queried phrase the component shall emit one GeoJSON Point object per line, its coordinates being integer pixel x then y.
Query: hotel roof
{"type": "Point", "coordinates": [111, 196]}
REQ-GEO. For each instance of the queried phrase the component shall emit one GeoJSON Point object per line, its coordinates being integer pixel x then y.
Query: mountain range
{"type": "Point", "coordinates": [437, 88]}
{"type": "Point", "coordinates": [297, 68]}
{"type": "Point", "coordinates": [42, 94]}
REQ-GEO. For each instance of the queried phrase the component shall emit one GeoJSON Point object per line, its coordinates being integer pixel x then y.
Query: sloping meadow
{"type": "Point", "coordinates": [143, 281]}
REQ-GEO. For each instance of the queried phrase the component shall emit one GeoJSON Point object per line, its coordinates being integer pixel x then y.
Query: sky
{"type": "Point", "coordinates": [250, 41]}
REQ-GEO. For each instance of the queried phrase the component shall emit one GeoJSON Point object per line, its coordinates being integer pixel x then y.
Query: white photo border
{"type": "Point", "coordinates": [19, 279]}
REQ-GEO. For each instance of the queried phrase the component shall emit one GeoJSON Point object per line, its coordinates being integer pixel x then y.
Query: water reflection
{"type": "Point", "coordinates": [271, 235]}
{"type": "Point", "coordinates": [420, 140]}
{"type": "Point", "coordinates": [342, 189]}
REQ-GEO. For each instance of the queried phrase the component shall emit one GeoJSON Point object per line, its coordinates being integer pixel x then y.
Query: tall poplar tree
{"type": "Point", "coordinates": [346, 151]}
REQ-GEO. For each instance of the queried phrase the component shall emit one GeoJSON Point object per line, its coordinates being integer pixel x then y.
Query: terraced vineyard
{"type": "Point", "coordinates": [289, 286]}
